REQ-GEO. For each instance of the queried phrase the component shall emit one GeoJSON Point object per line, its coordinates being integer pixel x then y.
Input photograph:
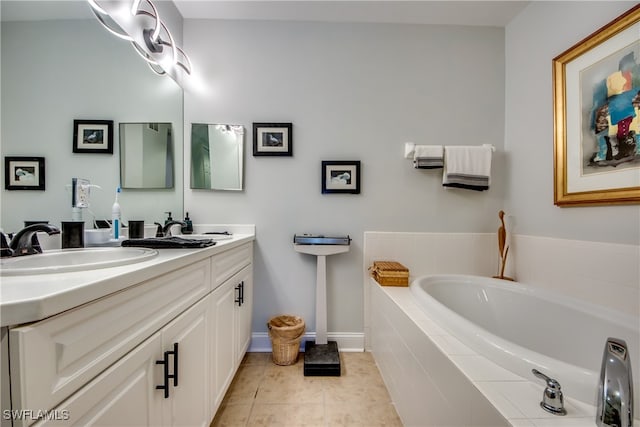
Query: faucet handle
{"type": "Point", "coordinates": [159, 232]}
{"type": "Point", "coordinates": [552, 399]}
{"type": "Point", "coordinates": [5, 250]}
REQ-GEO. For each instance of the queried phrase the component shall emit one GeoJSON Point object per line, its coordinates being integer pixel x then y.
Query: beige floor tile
{"type": "Point", "coordinates": [364, 414]}
{"type": "Point", "coordinates": [293, 415]}
{"type": "Point", "coordinates": [265, 394]}
{"type": "Point", "coordinates": [245, 384]}
{"type": "Point", "coordinates": [342, 392]}
{"type": "Point", "coordinates": [256, 359]}
{"type": "Point", "coordinates": [232, 416]}
{"type": "Point", "coordinates": [289, 389]}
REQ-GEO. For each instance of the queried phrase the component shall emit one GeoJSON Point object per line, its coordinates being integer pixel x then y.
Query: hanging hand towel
{"type": "Point", "coordinates": [467, 167]}
{"type": "Point", "coordinates": [428, 157]}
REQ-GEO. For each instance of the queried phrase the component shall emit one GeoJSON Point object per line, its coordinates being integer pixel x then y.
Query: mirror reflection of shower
{"type": "Point", "coordinates": [146, 155]}
{"type": "Point", "coordinates": [217, 156]}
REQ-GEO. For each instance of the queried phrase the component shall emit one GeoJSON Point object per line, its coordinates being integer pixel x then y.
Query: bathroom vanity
{"type": "Point", "coordinates": [155, 343]}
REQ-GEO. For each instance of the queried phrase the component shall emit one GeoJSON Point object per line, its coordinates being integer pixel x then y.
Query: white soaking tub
{"type": "Point", "coordinates": [521, 327]}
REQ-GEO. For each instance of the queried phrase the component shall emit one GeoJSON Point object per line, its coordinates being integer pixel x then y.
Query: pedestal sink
{"type": "Point", "coordinates": [70, 260]}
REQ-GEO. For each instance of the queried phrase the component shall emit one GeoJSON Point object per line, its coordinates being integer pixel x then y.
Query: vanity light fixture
{"type": "Point", "coordinates": [140, 24]}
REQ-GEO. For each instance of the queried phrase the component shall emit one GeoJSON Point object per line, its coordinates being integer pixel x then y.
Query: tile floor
{"type": "Point", "coordinates": [265, 394]}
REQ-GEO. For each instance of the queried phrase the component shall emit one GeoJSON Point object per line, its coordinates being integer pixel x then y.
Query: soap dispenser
{"type": "Point", "coordinates": [169, 219]}
{"type": "Point", "coordinates": [187, 228]}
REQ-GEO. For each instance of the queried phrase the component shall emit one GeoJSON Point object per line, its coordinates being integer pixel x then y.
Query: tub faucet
{"type": "Point", "coordinates": [615, 391]}
{"type": "Point", "coordinates": [25, 241]}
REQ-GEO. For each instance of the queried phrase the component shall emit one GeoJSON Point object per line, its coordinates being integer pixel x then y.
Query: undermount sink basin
{"type": "Point", "coordinates": [69, 260]}
{"type": "Point", "coordinates": [214, 237]}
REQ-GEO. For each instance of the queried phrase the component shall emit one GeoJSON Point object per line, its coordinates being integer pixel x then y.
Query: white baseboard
{"type": "Point", "coordinates": [347, 341]}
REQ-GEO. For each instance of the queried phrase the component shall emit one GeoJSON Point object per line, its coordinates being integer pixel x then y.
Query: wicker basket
{"type": "Point", "coordinates": [390, 273]}
{"type": "Point", "coordinates": [286, 333]}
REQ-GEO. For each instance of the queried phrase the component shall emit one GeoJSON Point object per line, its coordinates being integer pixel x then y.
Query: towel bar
{"type": "Point", "coordinates": [410, 147]}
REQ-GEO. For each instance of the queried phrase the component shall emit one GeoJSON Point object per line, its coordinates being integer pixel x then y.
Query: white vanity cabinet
{"type": "Point", "coordinates": [231, 304]}
{"type": "Point", "coordinates": [128, 394]}
{"type": "Point", "coordinates": [122, 395]}
{"type": "Point", "coordinates": [108, 362]}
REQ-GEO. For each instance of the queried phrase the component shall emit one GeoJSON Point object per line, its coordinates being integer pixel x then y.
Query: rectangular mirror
{"type": "Point", "coordinates": [217, 152]}
{"type": "Point", "coordinates": [146, 155]}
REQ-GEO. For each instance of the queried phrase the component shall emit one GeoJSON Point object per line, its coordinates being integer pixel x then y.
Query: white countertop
{"type": "Point", "coordinates": [29, 298]}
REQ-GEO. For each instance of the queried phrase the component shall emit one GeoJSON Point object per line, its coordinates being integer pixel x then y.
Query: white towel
{"type": "Point", "coordinates": [467, 167]}
{"type": "Point", "coordinates": [428, 157]}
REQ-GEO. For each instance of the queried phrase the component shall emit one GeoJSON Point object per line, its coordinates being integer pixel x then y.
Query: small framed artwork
{"type": "Point", "coordinates": [596, 108]}
{"type": "Point", "coordinates": [24, 173]}
{"type": "Point", "coordinates": [341, 176]}
{"type": "Point", "coordinates": [93, 136]}
{"type": "Point", "coordinates": [272, 139]}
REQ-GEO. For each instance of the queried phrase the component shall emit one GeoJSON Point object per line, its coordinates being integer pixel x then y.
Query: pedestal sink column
{"type": "Point", "coordinates": [322, 358]}
{"type": "Point", "coordinates": [321, 299]}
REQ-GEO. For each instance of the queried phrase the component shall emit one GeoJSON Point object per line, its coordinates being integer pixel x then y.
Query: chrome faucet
{"type": "Point", "coordinates": [25, 241]}
{"type": "Point", "coordinates": [615, 392]}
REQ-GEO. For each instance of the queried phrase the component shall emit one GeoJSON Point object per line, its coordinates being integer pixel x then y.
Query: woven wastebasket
{"type": "Point", "coordinates": [286, 333]}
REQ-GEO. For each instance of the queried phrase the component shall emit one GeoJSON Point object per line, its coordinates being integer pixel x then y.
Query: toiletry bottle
{"type": "Point", "coordinates": [187, 228]}
{"type": "Point", "coordinates": [169, 219]}
{"type": "Point", "coordinates": [116, 216]}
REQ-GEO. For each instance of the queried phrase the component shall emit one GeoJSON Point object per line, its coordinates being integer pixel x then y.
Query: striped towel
{"type": "Point", "coordinates": [467, 167]}
{"type": "Point", "coordinates": [428, 157]}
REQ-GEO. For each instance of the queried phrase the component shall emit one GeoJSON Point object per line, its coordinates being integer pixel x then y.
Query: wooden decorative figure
{"type": "Point", "coordinates": [503, 249]}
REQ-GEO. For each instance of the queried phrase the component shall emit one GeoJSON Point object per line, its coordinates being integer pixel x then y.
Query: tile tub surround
{"type": "Point", "coordinates": [414, 353]}
{"type": "Point", "coordinates": [600, 273]}
{"type": "Point", "coordinates": [264, 394]}
{"type": "Point", "coordinates": [607, 274]}
{"type": "Point", "coordinates": [428, 253]}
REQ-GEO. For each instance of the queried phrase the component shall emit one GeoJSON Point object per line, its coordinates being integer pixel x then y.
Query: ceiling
{"type": "Point", "coordinates": [486, 13]}
{"type": "Point", "coordinates": [451, 12]}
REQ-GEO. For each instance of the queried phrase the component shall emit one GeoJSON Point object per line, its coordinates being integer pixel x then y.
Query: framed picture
{"type": "Point", "coordinates": [272, 139]}
{"type": "Point", "coordinates": [93, 136]}
{"type": "Point", "coordinates": [596, 106]}
{"type": "Point", "coordinates": [341, 176]}
{"type": "Point", "coordinates": [24, 173]}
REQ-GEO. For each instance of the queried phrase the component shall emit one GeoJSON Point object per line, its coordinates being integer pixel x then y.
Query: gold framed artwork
{"type": "Point", "coordinates": [596, 108]}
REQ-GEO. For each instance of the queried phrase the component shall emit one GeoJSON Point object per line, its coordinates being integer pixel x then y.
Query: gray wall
{"type": "Point", "coordinates": [537, 35]}
{"type": "Point", "coordinates": [352, 92]}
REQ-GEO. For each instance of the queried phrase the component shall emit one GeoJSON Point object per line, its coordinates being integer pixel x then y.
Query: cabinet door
{"type": "Point", "coordinates": [243, 313]}
{"type": "Point", "coordinates": [188, 401]}
{"type": "Point", "coordinates": [123, 395]}
{"type": "Point", "coordinates": [223, 343]}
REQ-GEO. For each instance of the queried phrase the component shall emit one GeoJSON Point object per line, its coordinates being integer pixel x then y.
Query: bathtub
{"type": "Point", "coordinates": [520, 327]}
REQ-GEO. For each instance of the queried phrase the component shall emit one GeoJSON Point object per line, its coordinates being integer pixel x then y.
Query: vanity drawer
{"type": "Point", "coordinates": [53, 358]}
{"type": "Point", "coordinates": [228, 263]}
